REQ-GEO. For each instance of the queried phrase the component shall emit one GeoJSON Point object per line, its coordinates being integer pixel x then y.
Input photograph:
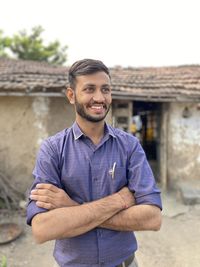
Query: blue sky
{"type": "Point", "coordinates": [119, 32]}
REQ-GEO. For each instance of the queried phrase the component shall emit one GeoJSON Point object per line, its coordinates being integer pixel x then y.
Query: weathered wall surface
{"type": "Point", "coordinates": [61, 115]}
{"type": "Point", "coordinates": [183, 143]}
{"type": "Point", "coordinates": [25, 122]}
{"type": "Point", "coordinates": [18, 138]}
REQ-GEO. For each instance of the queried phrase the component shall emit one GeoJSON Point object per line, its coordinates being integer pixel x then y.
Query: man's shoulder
{"type": "Point", "coordinates": [57, 136]}
{"type": "Point", "coordinates": [60, 135]}
{"type": "Point", "coordinates": [121, 134]}
{"type": "Point", "coordinates": [56, 141]}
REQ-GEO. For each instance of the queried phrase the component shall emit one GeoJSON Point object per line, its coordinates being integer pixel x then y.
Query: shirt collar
{"type": "Point", "coordinates": [109, 130]}
{"type": "Point", "coordinates": [78, 133]}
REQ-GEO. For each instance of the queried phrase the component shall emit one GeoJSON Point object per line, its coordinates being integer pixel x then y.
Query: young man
{"type": "Point", "coordinates": [93, 186]}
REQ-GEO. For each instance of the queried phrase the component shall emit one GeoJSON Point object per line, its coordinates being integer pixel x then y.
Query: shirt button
{"type": "Point", "coordinates": [95, 179]}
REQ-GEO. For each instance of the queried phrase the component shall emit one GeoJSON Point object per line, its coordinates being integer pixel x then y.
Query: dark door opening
{"type": "Point", "coordinates": [145, 125]}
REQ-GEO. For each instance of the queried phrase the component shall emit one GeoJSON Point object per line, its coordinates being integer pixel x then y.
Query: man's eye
{"type": "Point", "coordinates": [89, 89]}
{"type": "Point", "coordinates": [106, 90]}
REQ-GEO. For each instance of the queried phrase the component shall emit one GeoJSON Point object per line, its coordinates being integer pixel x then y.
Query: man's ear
{"type": "Point", "coordinates": [70, 94]}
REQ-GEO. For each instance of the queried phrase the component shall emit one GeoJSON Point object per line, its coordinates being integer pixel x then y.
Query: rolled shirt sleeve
{"type": "Point", "coordinates": [141, 180]}
{"type": "Point", "coordinates": [46, 171]}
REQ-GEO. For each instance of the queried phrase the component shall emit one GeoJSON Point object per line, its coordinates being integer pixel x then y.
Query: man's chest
{"type": "Point", "coordinates": [88, 174]}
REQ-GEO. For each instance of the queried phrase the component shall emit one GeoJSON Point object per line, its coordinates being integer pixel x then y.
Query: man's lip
{"type": "Point", "coordinates": [97, 109]}
{"type": "Point", "coordinates": [97, 106]}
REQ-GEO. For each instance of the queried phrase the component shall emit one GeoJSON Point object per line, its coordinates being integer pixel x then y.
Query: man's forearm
{"type": "Point", "coordinates": [135, 218]}
{"type": "Point", "coordinates": [73, 221]}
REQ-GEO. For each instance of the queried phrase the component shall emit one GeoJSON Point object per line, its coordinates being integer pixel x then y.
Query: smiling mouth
{"type": "Point", "coordinates": [98, 107]}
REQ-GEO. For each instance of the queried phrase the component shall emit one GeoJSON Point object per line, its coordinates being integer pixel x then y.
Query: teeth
{"type": "Point", "coordinates": [97, 107]}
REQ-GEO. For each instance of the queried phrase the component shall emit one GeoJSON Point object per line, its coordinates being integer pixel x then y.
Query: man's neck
{"type": "Point", "coordinates": [93, 130]}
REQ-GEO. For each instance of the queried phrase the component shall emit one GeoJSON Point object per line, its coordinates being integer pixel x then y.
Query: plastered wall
{"type": "Point", "coordinates": [183, 151]}
{"type": "Point", "coordinates": [24, 123]}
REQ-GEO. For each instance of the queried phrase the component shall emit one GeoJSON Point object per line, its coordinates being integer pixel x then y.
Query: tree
{"type": "Point", "coordinates": [31, 46]}
{"type": "Point", "coordinates": [4, 44]}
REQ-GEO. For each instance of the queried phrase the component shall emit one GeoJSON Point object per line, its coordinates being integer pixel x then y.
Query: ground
{"type": "Point", "coordinates": [175, 245]}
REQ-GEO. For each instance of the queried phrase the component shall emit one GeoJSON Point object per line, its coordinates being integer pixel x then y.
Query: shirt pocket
{"type": "Point", "coordinates": [118, 179]}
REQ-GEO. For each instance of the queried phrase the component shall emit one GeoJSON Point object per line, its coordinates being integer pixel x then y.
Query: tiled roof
{"type": "Point", "coordinates": [31, 77]}
{"type": "Point", "coordinates": [149, 84]}
{"type": "Point", "coordinates": [158, 84]}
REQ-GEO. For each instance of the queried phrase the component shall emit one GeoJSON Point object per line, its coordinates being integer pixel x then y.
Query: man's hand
{"type": "Point", "coordinates": [50, 197]}
{"type": "Point", "coordinates": [127, 197]}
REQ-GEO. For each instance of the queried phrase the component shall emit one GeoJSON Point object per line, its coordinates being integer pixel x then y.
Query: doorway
{"type": "Point", "coordinates": [145, 125]}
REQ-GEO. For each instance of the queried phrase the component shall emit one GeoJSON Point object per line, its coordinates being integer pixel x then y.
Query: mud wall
{"type": "Point", "coordinates": [183, 153]}
{"type": "Point", "coordinates": [24, 123]}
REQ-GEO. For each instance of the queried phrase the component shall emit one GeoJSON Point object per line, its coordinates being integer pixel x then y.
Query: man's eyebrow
{"type": "Point", "coordinates": [106, 85]}
{"type": "Point", "coordinates": [93, 85]}
{"type": "Point", "coordinates": [89, 84]}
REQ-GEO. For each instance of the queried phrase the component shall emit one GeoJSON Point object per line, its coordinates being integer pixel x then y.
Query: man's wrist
{"type": "Point", "coordinates": [124, 204]}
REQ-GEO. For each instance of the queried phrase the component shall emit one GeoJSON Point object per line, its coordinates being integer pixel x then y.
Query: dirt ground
{"type": "Point", "coordinates": [177, 244]}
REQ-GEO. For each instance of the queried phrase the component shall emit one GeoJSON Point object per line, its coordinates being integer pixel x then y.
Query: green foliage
{"type": "Point", "coordinates": [4, 43]}
{"type": "Point", "coordinates": [31, 46]}
{"type": "Point", "coordinates": [3, 262]}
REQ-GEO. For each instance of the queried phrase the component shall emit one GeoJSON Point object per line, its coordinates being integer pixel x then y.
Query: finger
{"type": "Point", "coordinates": [50, 187]}
{"type": "Point", "coordinates": [45, 205]}
{"type": "Point", "coordinates": [34, 192]}
{"type": "Point", "coordinates": [41, 198]}
{"type": "Point", "coordinates": [44, 192]}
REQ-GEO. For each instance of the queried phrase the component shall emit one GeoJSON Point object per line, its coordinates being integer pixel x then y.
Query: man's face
{"type": "Point", "coordinates": [92, 96]}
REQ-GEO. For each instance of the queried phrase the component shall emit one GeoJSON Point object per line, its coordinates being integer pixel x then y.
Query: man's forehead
{"type": "Point", "coordinates": [97, 77]}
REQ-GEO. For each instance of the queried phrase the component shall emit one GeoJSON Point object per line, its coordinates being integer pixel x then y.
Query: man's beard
{"type": "Point", "coordinates": [81, 111]}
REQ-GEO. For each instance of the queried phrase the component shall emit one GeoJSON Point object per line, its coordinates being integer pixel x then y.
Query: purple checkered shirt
{"type": "Point", "coordinates": [72, 162]}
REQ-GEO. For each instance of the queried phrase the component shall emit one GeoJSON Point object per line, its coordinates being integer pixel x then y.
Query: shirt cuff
{"type": "Point", "coordinates": [151, 199]}
{"type": "Point", "coordinates": [32, 210]}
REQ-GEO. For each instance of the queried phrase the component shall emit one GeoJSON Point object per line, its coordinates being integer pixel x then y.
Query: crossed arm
{"type": "Point", "coordinates": [66, 218]}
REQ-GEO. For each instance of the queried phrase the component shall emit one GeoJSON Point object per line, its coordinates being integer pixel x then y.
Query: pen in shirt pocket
{"type": "Point", "coordinates": [112, 170]}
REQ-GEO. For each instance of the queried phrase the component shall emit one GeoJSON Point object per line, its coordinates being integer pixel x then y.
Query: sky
{"type": "Point", "coordinates": [136, 33]}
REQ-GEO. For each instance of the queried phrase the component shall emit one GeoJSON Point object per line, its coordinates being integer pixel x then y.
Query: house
{"type": "Point", "coordinates": [161, 106]}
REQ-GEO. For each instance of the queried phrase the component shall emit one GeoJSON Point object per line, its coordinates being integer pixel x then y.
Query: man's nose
{"type": "Point", "coordinates": [98, 96]}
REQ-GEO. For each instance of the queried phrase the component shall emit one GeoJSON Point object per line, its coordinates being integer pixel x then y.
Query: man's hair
{"type": "Point", "coordinates": [85, 67]}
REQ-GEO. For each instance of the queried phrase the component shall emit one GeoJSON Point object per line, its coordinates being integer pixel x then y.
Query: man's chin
{"type": "Point", "coordinates": [91, 116]}
{"type": "Point", "coordinates": [95, 119]}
